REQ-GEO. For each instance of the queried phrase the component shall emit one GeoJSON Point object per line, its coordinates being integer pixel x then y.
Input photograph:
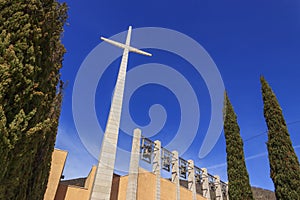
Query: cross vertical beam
{"type": "Point", "coordinates": [103, 179]}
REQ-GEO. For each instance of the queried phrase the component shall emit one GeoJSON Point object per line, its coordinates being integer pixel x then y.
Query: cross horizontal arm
{"type": "Point", "coordinates": [123, 46]}
{"type": "Point", "coordinates": [117, 44]}
{"type": "Point", "coordinates": [135, 50]}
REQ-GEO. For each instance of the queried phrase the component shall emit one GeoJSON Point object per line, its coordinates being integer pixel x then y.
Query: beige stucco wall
{"type": "Point", "coordinates": [200, 197]}
{"type": "Point", "coordinates": [90, 179]}
{"type": "Point", "coordinates": [168, 190]}
{"type": "Point", "coordinates": [122, 188]}
{"type": "Point", "coordinates": [57, 166]}
{"type": "Point", "coordinates": [146, 188]}
{"type": "Point", "coordinates": [186, 194]}
{"type": "Point", "coordinates": [61, 192]}
{"type": "Point", "coordinates": [74, 193]}
{"type": "Point", "coordinates": [146, 185]}
{"type": "Point", "coordinates": [71, 192]}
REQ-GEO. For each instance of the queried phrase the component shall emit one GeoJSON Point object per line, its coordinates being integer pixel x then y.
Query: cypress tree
{"type": "Point", "coordinates": [31, 56]}
{"type": "Point", "coordinates": [238, 178]}
{"type": "Point", "coordinates": [284, 164]}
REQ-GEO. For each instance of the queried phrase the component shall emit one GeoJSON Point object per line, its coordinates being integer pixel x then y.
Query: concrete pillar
{"type": "Point", "coordinates": [103, 179]}
{"type": "Point", "coordinates": [191, 178]}
{"type": "Point", "coordinates": [156, 167]}
{"type": "Point", "coordinates": [219, 195]}
{"type": "Point", "coordinates": [175, 173]}
{"type": "Point", "coordinates": [205, 184]}
{"type": "Point", "coordinates": [134, 166]}
{"type": "Point", "coordinates": [104, 175]}
{"type": "Point", "coordinates": [227, 196]}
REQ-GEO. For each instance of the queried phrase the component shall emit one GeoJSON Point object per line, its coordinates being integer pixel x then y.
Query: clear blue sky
{"type": "Point", "coordinates": [245, 39]}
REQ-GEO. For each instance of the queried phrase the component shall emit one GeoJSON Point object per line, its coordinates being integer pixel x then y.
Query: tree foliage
{"type": "Point", "coordinates": [31, 56]}
{"type": "Point", "coordinates": [238, 178]}
{"type": "Point", "coordinates": [284, 164]}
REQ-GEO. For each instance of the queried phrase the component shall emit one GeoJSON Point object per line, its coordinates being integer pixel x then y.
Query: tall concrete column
{"type": "Point", "coordinates": [219, 195]}
{"type": "Point", "coordinates": [175, 173]}
{"type": "Point", "coordinates": [227, 196]}
{"type": "Point", "coordinates": [103, 179]}
{"type": "Point", "coordinates": [156, 167]}
{"type": "Point", "coordinates": [205, 184]}
{"type": "Point", "coordinates": [191, 179]}
{"type": "Point", "coordinates": [134, 166]}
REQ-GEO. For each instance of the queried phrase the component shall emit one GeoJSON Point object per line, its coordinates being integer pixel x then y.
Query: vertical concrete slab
{"type": "Point", "coordinates": [219, 195]}
{"type": "Point", "coordinates": [205, 184]}
{"type": "Point", "coordinates": [156, 167]}
{"type": "Point", "coordinates": [191, 179]}
{"type": "Point", "coordinates": [57, 165]}
{"type": "Point", "coordinates": [175, 173]}
{"type": "Point", "coordinates": [131, 192]}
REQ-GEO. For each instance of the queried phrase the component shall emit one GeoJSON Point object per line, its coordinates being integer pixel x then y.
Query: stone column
{"type": "Point", "coordinates": [205, 184]}
{"type": "Point", "coordinates": [191, 178]}
{"type": "Point", "coordinates": [219, 195]}
{"type": "Point", "coordinates": [156, 167]}
{"type": "Point", "coordinates": [175, 173]}
{"type": "Point", "coordinates": [134, 166]}
{"type": "Point", "coordinates": [227, 196]}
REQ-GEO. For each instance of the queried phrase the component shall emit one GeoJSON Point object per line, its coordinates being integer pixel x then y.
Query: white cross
{"type": "Point", "coordinates": [103, 178]}
{"type": "Point", "coordinates": [126, 46]}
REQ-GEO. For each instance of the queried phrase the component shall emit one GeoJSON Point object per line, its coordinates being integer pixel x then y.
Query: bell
{"type": "Point", "coordinates": [212, 186]}
{"type": "Point", "coordinates": [183, 171]}
{"type": "Point", "coordinates": [166, 164]}
{"type": "Point", "coordinates": [198, 178]}
{"type": "Point", "coordinates": [147, 153]}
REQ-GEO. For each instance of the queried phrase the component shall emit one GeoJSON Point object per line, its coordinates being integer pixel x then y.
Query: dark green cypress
{"type": "Point", "coordinates": [238, 178]}
{"type": "Point", "coordinates": [284, 164]}
{"type": "Point", "coordinates": [31, 56]}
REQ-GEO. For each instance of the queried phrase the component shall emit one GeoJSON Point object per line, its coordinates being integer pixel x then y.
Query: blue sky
{"type": "Point", "coordinates": [245, 39]}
